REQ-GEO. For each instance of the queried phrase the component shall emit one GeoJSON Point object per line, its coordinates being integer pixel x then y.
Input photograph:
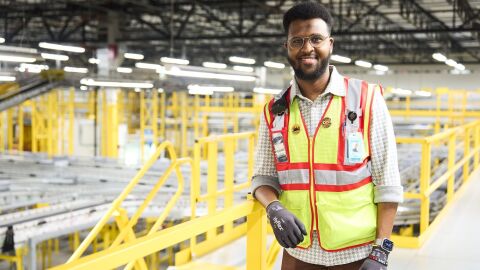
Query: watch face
{"type": "Point", "coordinates": [387, 245]}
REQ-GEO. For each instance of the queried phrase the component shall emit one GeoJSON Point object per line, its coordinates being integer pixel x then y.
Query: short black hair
{"type": "Point", "coordinates": [306, 11]}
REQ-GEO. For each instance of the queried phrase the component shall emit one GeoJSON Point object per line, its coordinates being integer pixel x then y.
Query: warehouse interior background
{"type": "Point", "coordinates": [128, 128]}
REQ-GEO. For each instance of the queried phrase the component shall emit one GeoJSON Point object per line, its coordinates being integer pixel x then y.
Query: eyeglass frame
{"type": "Point", "coordinates": [303, 41]}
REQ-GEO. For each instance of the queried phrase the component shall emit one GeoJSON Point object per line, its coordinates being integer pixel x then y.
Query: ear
{"type": "Point", "coordinates": [285, 45]}
{"type": "Point", "coordinates": [331, 45]}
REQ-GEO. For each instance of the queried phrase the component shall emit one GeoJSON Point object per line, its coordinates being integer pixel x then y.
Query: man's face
{"type": "Point", "coordinates": [308, 62]}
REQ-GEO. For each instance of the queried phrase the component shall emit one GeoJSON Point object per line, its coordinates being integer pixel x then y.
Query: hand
{"type": "Point", "coordinates": [288, 229]}
{"type": "Point", "coordinates": [377, 260]}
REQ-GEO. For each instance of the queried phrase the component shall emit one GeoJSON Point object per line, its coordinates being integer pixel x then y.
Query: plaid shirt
{"type": "Point", "coordinates": [384, 166]}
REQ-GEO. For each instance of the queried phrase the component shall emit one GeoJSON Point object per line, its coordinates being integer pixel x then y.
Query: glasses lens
{"type": "Point", "coordinates": [316, 40]}
{"type": "Point", "coordinates": [296, 42]}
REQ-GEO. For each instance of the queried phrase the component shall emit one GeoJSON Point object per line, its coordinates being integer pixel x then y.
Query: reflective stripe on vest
{"type": "Point", "coordinates": [342, 206]}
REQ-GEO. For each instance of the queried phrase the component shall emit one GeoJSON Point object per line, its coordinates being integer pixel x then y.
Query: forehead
{"type": "Point", "coordinates": [308, 27]}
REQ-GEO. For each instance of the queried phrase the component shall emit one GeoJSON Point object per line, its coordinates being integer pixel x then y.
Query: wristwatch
{"type": "Point", "coordinates": [385, 243]}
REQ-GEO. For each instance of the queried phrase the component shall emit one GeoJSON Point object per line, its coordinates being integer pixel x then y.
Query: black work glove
{"type": "Point", "coordinates": [288, 229]}
{"type": "Point", "coordinates": [377, 260]}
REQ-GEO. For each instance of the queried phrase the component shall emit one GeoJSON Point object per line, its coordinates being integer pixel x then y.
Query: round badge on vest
{"type": "Point", "coordinates": [326, 122]}
{"type": "Point", "coordinates": [296, 129]}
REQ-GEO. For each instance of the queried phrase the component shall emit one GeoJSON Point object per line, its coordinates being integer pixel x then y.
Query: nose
{"type": "Point", "coordinates": [307, 47]}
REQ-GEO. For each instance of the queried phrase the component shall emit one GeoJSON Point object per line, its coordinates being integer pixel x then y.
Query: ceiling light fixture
{"type": "Point", "coordinates": [51, 56]}
{"type": "Point", "coordinates": [243, 60]}
{"type": "Point", "coordinates": [58, 47]}
{"type": "Point", "coordinates": [148, 65]}
{"type": "Point", "coordinates": [177, 61]}
{"type": "Point", "coordinates": [380, 68]}
{"type": "Point", "coordinates": [400, 91]}
{"type": "Point", "coordinates": [214, 65]}
{"type": "Point", "coordinates": [124, 70]}
{"type": "Point", "coordinates": [94, 61]}
{"type": "Point", "coordinates": [422, 93]}
{"type": "Point", "coordinates": [7, 78]}
{"type": "Point", "coordinates": [210, 88]}
{"type": "Point", "coordinates": [364, 64]}
{"type": "Point", "coordinates": [93, 82]}
{"type": "Point", "coordinates": [75, 69]}
{"type": "Point", "coordinates": [11, 58]}
{"type": "Point", "coordinates": [135, 56]}
{"type": "Point", "coordinates": [243, 68]}
{"type": "Point", "coordinates": [261, 90]}
{"type": "Point", "coordinates": [341, 59]}
{"type": "Point", "coordinates": [439, 57]}
{"type": "Point", "coordinates": [271, 64]}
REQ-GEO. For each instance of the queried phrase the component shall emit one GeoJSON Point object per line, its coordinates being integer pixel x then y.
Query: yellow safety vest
{"type": "Point", "coordinates": [320, 186]}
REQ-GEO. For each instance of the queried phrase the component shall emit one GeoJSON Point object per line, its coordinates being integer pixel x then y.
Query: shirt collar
{"type": "Point", "coordinates": [336, 85]}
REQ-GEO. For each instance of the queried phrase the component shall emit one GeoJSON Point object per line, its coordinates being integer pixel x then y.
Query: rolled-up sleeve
{"type": "Point", "coordinates": [384, 165]}
{"type": "Point", "coordinates": [264, 173]}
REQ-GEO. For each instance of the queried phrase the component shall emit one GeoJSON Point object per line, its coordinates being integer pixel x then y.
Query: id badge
{"type": "Point", "coordinates": [355, 148]}
{"type": "Point", "coordinates": [279, 147]}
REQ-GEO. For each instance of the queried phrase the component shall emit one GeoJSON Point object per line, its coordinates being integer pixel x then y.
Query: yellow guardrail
{"type": "Point", "coordinates": [470, 135]}
{"type": "Point", "coordinates": [210, 147]}
{"type": "Point", "coordinates": [125, 225]}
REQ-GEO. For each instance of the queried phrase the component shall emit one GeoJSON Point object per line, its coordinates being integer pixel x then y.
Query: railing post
{"type": "Point", "coordinates": [229, 153]}
{"type": "Point", "coordinates": [257, 238]}
{"type": "Point", "coordinates": [466, 152]}
{"type": "Point", "coordinates": [212, 183]}
{"type": "Point", "coordinates": [476, 144]}
{"type": "Point", "coordinates": [451, 163]}
{"type": "Point", "coordinates": [424, 184]}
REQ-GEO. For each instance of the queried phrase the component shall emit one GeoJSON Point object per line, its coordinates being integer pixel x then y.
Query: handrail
{"type": "Point", "coordinates": [115, 208]}
{"type": "Point", "coordinates": [145, 245]}
{"type": "Point", "coordinates": [427, 187]}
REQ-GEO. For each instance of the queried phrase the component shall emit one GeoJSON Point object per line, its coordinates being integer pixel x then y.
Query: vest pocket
{"type": "Point", "coordinates": [297, 202]}
{"type": "Point", "coordinates": [346, 219]}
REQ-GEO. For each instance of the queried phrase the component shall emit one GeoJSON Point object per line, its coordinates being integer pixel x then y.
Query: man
{"type": "Point", "coordinates": [330, 206]}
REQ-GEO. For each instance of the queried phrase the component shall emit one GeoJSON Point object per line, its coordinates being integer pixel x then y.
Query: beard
{"type": "Point", "coordinates": [318, 71]}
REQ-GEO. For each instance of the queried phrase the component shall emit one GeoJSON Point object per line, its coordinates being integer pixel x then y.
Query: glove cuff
{"type": "Point", "coordinates": [379, 255]}
{"type": "Point", "coordinates": [275, 205]}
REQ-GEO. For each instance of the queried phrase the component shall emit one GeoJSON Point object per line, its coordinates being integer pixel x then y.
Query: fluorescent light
{"type": "Point", "coordinates": [380, 67]}
{"type": "Point", "coordinates": [52, 56]}
{"type": "Point", "coordinates": [451, 62]}
{"type": "Point", "coordinates": [242, 68]}
{"type": "Point", "coordinates": [148, 65]}
{"type": "Point", "coordinates": [11, 58]}
{"type": "Point", "coordinates": [17, 49]}
{"type": "Point", "coordinates": [364, 64]}
{"type": "Point", "coordinates": [7, 78]}
{"type": "Point", "coordinates": [94, 61]}
{"type": "Point", "coordinates": [33, 68]}
{"type": "Point", "coordinates": [439, 57]}
{"type": "Point", "coordinates": [92, 82]}
{"type": "Point", "coordinates": [207, 75]}
{"type": "Point", "coordinates": [210, 88]}
{"type": "Point", "coordinates": [174, 61]}
{"type": "Point", "coordinates": [236, 59]}
{"type": "Point", "coordinates": [341, 59]}
{"type": "Point", "coordinates": [400, 91]}
{"type": "Point", "coordinates": [214, 65]}
{"type": "Point", "coordinates": [160, 90]}
{"type": "Point", "coordinates": [204, 92]}
{"type": "Point", "coordinates": [459, 66]}
{"type": "Point", "coordinates": [423, 93]}
{"type": "Point", "coordinates": [59, 47]}
{"type": "Point", "coordinates": [83, 87]}
{"type": "Point", "coordinates": [271, 64]}
{"type": "Point", "coordinates": [75, 69]}
{"type": "Point", "coordinates": [261, 90]}
{"type": "Point", "coordinates": [135, 56]}
{"type": "Point", "coordinates": [2, 40]}
{"type": "Point", "coordinates": [124, 70]}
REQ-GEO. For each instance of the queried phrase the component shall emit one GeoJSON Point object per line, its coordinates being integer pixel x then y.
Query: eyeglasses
{"type": "Point", "coordinates": [298, 42]}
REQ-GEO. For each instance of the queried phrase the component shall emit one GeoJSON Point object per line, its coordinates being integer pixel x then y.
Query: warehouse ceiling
{"type": "Point", "coordinates": [386, 32]}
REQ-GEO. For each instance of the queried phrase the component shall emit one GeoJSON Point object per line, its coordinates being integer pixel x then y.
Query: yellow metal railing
{"type": "Point", "coordinates": [126, 233]}
{"type": "Point", "coordinates": [470, 135]}
{"type": "Point", "coordinates": [213, 146]}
